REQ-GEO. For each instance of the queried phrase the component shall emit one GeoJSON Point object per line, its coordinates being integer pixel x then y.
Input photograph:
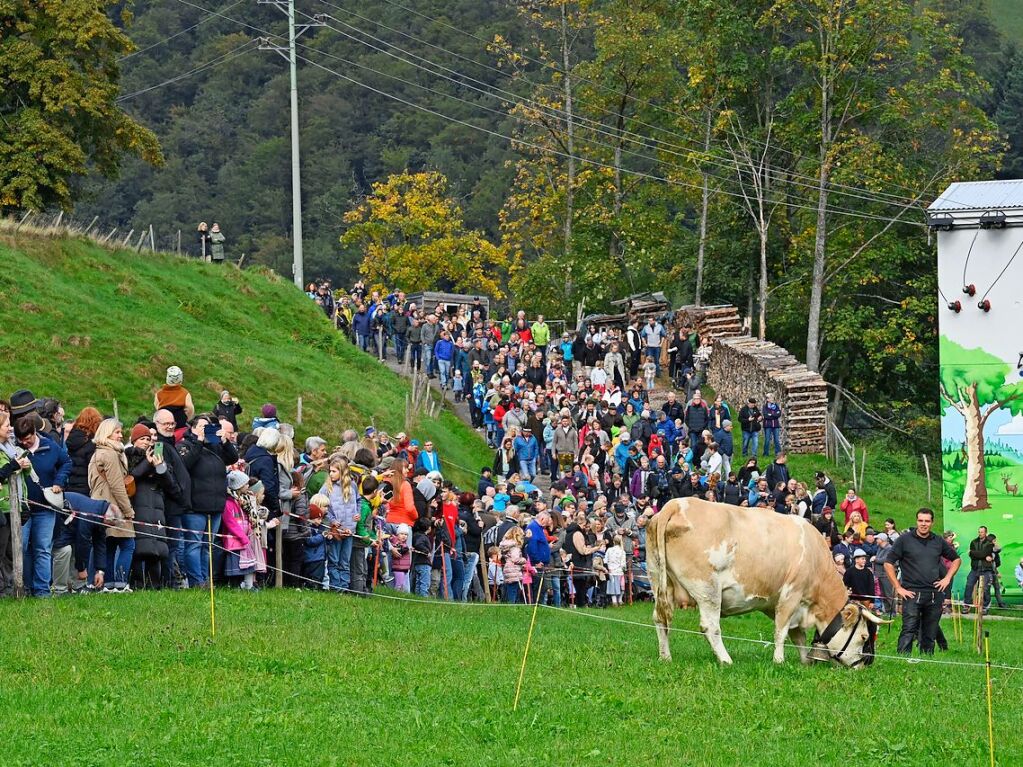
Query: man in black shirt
{"type": "Point", "coordinates": [919, 553]}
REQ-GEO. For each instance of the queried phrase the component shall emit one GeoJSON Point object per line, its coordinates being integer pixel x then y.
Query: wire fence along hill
{"type": "Point", "coordinates": [139, 237]}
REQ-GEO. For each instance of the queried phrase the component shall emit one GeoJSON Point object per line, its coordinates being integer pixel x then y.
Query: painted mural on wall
{"type": "Point", "coordinates": [981, 390]}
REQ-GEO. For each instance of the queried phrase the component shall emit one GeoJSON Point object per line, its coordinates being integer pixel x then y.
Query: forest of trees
{"type": "Point", "coordinates": [774, 154]}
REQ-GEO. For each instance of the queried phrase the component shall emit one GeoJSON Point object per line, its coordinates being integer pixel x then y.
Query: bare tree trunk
{"type": "Point", "coordinates": [762, 294]}
{"type": "Point", "coordinates": [704, 212]}
{"type": "Point", "coordinates": [570, 145]}
{"type": "Point", "coordinates": [813, 331]}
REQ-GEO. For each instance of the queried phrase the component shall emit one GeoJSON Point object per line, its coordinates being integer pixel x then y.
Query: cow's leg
{"type": "Point", "coordinates": [798, 636]}
{"type": "Point", "coordinates": [783, 615]}
{"type": "Point", "coordinates": [664, 611]}
{"type": "Point", "coordinates": [710, 624]}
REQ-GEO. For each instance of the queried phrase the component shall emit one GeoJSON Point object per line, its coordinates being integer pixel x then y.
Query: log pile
{"type": "Point", "coordinates": [711, 322]}
{"type": "Point", "coordinates": [741, 367]}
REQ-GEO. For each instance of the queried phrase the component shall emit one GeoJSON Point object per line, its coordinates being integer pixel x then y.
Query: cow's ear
{"type": "Point", "coordinates": [849, 616]}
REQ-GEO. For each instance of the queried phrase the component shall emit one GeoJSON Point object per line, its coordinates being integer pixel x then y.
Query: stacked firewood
{"type": "Point", "coordinates": [711, 322]}
{"type": "Point", "coordinates": [743, 367]}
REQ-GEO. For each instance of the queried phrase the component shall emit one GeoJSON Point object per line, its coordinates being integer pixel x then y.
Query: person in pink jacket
{"type": "Point", "coordinates": [236, 531]}
{"type": "Point", "coordinates": [514, 562]}
{"type": "Point", "coordinates": [853, 503]}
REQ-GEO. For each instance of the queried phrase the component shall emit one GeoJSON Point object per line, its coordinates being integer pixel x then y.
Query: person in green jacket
{"type": "Point", "coordinates": [541, 336]}
{"type": "Point", "coordinates": [216, 244]}
{"type": "Point", "coordinates": [364, 536]}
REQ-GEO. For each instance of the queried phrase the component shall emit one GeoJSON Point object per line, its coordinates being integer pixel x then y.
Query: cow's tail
{"type": "Point", "coordinates": [660, 557]}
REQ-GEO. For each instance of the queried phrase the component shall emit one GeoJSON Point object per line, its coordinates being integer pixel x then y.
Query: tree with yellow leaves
{"type": "Point", "coordinates": [413, 238]}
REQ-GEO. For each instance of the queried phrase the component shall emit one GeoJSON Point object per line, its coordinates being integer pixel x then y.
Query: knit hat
{"type": "Point", "coordinates": [236, 480]}
{"type": "Point", "coordinates": [138, 431]}
{"type": "Point", "coordinates": [174, 375]}
{"type": "Point", "coordinates": [859, 553]}
{"type": "Point", "coordinates": [269, 411]}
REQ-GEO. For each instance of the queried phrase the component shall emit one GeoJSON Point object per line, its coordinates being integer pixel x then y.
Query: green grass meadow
{"type": "Point", "coordinates": [313, 678]}
{"type": "Point", "coordinates": [89, 325]}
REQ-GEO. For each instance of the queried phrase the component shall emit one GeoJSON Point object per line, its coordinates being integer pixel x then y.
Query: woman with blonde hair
{"type": "Point", "coordinates": [342, 512]}
{"type": "Point", "coordinates": [857, 524]}
{"type": "Point", "coordinates": [108, 471]}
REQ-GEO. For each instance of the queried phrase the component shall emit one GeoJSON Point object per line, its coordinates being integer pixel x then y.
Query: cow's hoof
{"type": "Point", "coordinates": [666, 657]}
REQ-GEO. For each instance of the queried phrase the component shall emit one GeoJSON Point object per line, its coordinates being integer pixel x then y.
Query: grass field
{"type": "Point", "coordinates": [88, 325]}
{"type": "Point", "coordinates": [314, 678]}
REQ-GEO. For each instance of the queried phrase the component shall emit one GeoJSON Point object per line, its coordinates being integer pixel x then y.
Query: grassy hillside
{"type": "Point", "coordinates": [88, 326]}
{"type": "Point", "coordinates": [317, 679]}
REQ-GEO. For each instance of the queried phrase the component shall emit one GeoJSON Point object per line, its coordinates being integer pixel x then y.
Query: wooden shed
{"type": "Point", "coordinates": [450, 301]}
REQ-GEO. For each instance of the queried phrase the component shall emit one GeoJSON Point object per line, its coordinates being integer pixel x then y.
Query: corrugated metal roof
{"type": "Point", "coordinates": [980, 195]}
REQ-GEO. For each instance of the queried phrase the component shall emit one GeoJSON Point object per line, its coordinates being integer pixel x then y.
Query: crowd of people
{"type": "Point", "coordinates": [186, 494]}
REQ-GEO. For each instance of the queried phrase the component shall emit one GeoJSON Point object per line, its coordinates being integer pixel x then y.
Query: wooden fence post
{"type": "Point", "coordinates": [298, 412]}
{"type": "Point", "coordinates": [179, 242]}
{"type": "Point", "coordinates": [16, 558]}
{"type": "Point", "coordinates": [127, 237]}
{"type": "Point", "coordinates": [116, 415]}
{"type": "Point", "coordinates": [152, 239]}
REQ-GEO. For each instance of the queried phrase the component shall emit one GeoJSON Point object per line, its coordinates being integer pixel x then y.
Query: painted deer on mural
{"type": "Point", "coordinates": [1010, 489]}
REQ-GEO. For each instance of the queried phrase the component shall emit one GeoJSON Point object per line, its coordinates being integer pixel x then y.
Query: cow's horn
{"type": "Point", "coordinates": [870, 616]}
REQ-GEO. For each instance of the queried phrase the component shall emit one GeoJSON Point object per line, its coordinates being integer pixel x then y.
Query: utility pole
{"type": "Point", "coordinates": [296, 174]}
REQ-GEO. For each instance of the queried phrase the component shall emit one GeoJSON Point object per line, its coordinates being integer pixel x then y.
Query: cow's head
{"type": "Point", "coordinates": [844, 641]}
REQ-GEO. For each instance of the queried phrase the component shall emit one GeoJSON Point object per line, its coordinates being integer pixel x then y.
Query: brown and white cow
{"type": "Point", "coordinates": [730, 560]}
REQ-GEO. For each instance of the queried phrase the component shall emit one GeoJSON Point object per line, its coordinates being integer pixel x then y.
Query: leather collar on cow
{"type": "Point", "coordinates": [821, 642]}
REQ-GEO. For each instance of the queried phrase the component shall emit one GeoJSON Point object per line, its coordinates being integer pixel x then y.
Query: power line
{"type": "Point", "coordinates": [784, 175]}
{"type": "Point", "coordinates": [348, 62]}
{"type": "Point", "coordinates": [222, 59]}
{"type": "Point", "coordinates": [201, 21]}
{"type": "Point", "coordinates": [728, 167]}
{"type": "Point", "coordinates": [608, 89]}
{"type": "Point", "coordinates": [582, 159]}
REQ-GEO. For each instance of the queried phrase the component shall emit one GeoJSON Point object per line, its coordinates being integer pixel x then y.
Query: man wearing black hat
{"type": "Point", "coordinates": [23, 401]}
{"type": "Point", "coordinates": [750, 419]}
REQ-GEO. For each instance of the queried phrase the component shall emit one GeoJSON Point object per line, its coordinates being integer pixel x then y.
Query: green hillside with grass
{"type": "Point", "coordinates": [90, 325]}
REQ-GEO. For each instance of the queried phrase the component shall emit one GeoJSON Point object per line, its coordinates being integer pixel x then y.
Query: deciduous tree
{"type": "Point", "coordinates": [59, 115]}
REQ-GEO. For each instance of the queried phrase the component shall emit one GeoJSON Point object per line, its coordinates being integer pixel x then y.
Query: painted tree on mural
{"type": "Point", "coordinates": [974, 384]}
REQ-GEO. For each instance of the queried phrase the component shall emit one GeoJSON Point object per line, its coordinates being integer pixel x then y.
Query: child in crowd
{"type": "Point", "coordinates": [422, 556]}
{"type": "Point", "coordinates": [501, 497]}
{"type": "Point", "coordinates": [458, 386]}
{"type": "Point", "coordinates": [615, 571]}
{"type": "Point", "coordinates": [649, 373]}
{"type": "Point", "coordinates": [240, 565]}
{"type": "Point", "coordinates": [511, 551]}
{"type": "Point", "coordinates": [495, 573]}
{"type": "Point", "coordinates": [314, 560]}
{"type": "Point", "coordinates": [401, 557]}
{"type": "Point", "coordinates": [364, 537]}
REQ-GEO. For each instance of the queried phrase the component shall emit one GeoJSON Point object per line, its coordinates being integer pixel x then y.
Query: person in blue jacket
{"type": "Point", "coordinates": [362, 324]}
{"type": "Point", "coordinates": [527, 450]}
{"type": "Point", "coordinates": [538, 550]}
{"type": "Point", "coordinates": [444, 352]}
{"type": "Point", "coordinates": [428, 458]}
{"type": "Point", "coordinates": [51, 469]}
